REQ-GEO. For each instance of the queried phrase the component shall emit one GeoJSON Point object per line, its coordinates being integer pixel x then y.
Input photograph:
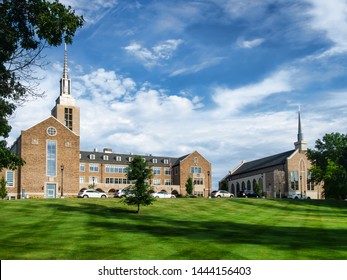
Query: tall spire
{"type": "Point", "coordinates": [65, 73]}
{"type": "Point", "coordinates": [65, 97]}
{"type": "Point", "coordinates": [300, 145]}
{"type": "Point", "coordinates": [300, 134]}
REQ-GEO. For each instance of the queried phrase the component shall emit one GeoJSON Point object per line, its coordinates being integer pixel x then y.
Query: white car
{"type": "Point", "coordinates": [298, 196]}
{"type": "Point", "coordinates": [163, 195]}
{"type": "Point", "coordinates": [221, 193]}
{"type": "Point", "coordinates": [91, 193]}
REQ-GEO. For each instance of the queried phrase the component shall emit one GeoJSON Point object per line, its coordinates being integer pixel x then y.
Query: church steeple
{"type": "Point", "coordinates": [65, 82]}
{"type": "Point", "coordinates": [65, 109]}
{"type": "Point", "coordinates": [300, 145]}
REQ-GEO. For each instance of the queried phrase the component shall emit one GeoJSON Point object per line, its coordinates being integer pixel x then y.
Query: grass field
{"type": "Point", "coordinates": [171, 229]}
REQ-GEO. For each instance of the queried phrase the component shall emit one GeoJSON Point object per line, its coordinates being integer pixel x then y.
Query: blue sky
{"type": "Point", "coordinates": [223, 77]}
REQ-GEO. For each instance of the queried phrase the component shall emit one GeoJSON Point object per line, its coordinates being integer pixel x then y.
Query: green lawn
{"type": "Point", "coordinates": [189, 229]}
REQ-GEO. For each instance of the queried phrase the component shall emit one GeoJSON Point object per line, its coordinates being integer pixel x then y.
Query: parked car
{"type": "Point", "coordinates": [122, 193]}
{"type": "Point", "coordinates": [247, 193]}
{"type": "Point", "coordinates": [91, 193]}
{"type": "Point", "coordinates": [163, 195]}
{"type": "Point", "coordinates": [298, 196]}
{"type": "Point", "coordinates": [221, 193]}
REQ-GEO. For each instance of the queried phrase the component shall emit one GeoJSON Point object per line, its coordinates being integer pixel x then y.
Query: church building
{"type": "Point", "coordinates": [281, 175]}
{"type": "Point", "coordinates": [56, 167]}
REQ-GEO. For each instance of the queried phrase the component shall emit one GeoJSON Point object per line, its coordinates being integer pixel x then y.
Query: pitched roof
{"type": "Point", "coordinates": [263, 163]}
{"type": "Point", "coordinates": [123, 159]}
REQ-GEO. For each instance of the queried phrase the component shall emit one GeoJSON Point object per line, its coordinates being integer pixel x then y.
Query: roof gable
{"type": "Point", "coordinates": [263, 162]}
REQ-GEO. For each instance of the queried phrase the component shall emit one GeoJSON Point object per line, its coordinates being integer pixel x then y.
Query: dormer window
{"type": "Point", "coordinates": [92, 156]}
{"type": "Point", "coordinates": [105, 157]}
{"type": "Point", "coordinates": [130, 159]}
{"type": "Point", "coordinates": [154, 160]}
{"type": "Point", "coordinates": [166, 161]}
{"type": "Point", "coordinates": [118, 158]}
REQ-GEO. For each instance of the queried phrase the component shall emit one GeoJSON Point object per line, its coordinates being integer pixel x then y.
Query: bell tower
{"type": "Point", "coordinates": [65, 109]}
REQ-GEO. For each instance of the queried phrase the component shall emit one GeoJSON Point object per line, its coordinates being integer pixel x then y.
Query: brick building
{"type": "Point", "coordinates": [278, 175]}
{"type": "Point", "coordinates": [55, 166]}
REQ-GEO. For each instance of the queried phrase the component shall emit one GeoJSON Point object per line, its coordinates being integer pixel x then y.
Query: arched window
{"type": "Point", "coordinates": [237, 187]}
{"type": "Point", "coordinates": [249, 185]}
{"type": "Point", "coordinates": [254, 183]}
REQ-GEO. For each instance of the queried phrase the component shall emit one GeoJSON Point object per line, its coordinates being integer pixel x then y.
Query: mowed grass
{"type": "Point", "coordinates": [172, 229]}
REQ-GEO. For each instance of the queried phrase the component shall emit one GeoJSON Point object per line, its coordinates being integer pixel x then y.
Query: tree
{"type": "Point", "coordinates": [224, 185]}
{"type": "Point", "coordinates": [3, 191]}
{"type": "Point", "coordinates": [189, 186]}
{"type": "Point", "coordinates": [27, 27]}
{"type": "Point", "coordinates": [140, 192]}
{"type": "Point", "coordinates": [329, 159]}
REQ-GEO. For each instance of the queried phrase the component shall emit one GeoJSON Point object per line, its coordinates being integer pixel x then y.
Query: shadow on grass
{"type": "Point", "coordinates": [316, 206]}
{"type": "Point", "coordinates": [328, 243]}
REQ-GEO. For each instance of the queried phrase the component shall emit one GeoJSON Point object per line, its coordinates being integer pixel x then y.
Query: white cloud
{"type": "Point", "coordinates": [105, 85]}
{"type": "Point", "coordinates": [233, 100]}
{"type": "Point", "coordinates": [162, 51]}
{"type": "Point", "coordinates": [92, 11]}
{"type": "Point", "coordinates": [250, 43]}
{"type": "Point", "coordinates": [330, 18]}
{"type": "Point", "coordinates": [208, 62]}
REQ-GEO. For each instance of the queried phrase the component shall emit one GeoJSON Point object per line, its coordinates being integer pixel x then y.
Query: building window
{"type": "Point", "coordinates": [156, 170]}
{"type": "Point", "coordinates": [118, 158]}
{"type": "Point", "coordinates": [93, 180]}
{"type": "Point", "coordinates": [168, 182]}
{"type": "Point", "coordinates": [167, 171]}
{"type": "Point", "coordinates": [156, 182]}
{"type": "Point", "coordinates": [118, 181]}
{"type": "Point", "coordinates": [68, 118]}
{"type": "Point", "coordinates": [51, 158]}
{"type": "Point", "coordinates": [196, 160]}
{"type": "Point", "coordinates": [115, 169]}
{"type": "Point", "coordinates": [9, 178]}
{"type": "Point", "coordinates": [199, 193]}
{"type": "Point", "coordinates": [294, 180]}
{"type": "Point", "coordinates": [154, 160]}
{"type": "Point", "coordinates": [81, 179]}
{"type": "Point", "coordinates": [51, 131]}
{"type": "Point", "coordinates": [92, 156]}
{"type": "Point", "coordinates": [198, 181]}
{"type": "Point", "coordinates": [310, 181]}
{"type": "Point", "coordinates": [195, 170]}
{"type": "Point", "coordinates": [105, 157]}
{"type": "Point", "coordinates": [93, 167]}
{"type": "Point", "coordinates": [82, 167]}
{"type": "Point", "coordinates": [130, 159]}
{"type": "Point", "coordinates": [166, 161]}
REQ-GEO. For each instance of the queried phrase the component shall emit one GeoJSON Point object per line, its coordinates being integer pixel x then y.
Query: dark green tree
{"type": "Point", "coordinates": [329, 159]}
{"type": "Point", "coordinates": [140, 192]}
{"type": "Point", "coordinates": [189, 186]}
{"type": "Point", "coordinates": [223, 185]}
{"type": "Point", "coordinates": [3, 191]}
{"type": "Point", "coordinates": [27, 27]}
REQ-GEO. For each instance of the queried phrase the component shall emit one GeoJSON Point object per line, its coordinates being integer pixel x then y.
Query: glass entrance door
{"type": "Point", "coordinates": [51, 190]}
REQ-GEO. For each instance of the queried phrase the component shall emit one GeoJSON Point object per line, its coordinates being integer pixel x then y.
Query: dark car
{"type": "Point", "coordinates": [247, 193]}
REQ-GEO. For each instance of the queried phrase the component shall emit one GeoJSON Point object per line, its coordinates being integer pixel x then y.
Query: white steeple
{"type": "Point", "coordinates": [300, 145]}
{"type": "Point", "coordinates": [65, 97]}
